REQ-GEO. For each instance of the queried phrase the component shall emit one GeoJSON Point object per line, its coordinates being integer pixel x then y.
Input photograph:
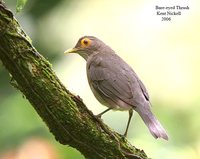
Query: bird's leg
{"type": "Point", "coordinates": [100, 114]}
{"type": "Point", "coordinates": [129, 120]}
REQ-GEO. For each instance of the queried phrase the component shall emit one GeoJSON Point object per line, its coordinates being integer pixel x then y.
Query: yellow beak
{"type": "Point", "coordinates": [72, 50]}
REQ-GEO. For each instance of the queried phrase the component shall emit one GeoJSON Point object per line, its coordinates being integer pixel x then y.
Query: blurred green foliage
{"type": "Point", "coordinates": [20, 5]}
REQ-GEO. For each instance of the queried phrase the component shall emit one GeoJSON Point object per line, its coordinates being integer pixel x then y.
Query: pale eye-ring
{"type": "Point", "coordinates": [85, 42]}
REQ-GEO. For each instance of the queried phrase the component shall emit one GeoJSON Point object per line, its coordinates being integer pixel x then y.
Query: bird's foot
{"type": "Point", "coordinates": [98, 116]}
{"type": "Point", "coordinates": [124, 137]}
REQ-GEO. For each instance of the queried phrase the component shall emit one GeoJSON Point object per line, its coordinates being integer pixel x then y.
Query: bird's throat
{"type": "Point", "coordinates": [84, 55]}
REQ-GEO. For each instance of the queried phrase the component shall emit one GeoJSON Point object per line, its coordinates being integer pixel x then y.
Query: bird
{"type": "Point", "coordinates": [115, 84]}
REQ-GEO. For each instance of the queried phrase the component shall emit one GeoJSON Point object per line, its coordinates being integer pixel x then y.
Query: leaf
{"type": "Point", "coordinates": [20, 5]}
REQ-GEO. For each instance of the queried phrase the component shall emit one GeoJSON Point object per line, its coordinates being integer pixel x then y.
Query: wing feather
{"type": "Point", "coordinates": [114, 81]}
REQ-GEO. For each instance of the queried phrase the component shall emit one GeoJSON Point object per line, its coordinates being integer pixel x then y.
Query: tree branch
{"type": "Point", "coordinates": [65, 114]}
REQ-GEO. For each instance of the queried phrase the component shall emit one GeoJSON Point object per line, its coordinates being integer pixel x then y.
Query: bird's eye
{"type": "Point", "coordinates": [85, 42]}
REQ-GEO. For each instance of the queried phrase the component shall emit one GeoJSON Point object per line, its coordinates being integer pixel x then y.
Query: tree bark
{"type": "Point", "coordinates": [65, 114]}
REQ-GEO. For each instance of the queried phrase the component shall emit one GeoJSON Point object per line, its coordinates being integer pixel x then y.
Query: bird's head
{"type": "Point", "coordinates": [89, 45]}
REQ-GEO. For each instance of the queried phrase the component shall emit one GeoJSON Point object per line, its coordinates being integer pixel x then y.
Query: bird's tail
{"type": "Point", "coordinates": [152, 123]}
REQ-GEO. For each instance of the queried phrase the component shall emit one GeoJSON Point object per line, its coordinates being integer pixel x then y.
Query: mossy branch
{"type": "Point", "coordinates": [65, 114]}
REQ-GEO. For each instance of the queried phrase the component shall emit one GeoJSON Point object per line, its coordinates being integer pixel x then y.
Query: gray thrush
{"type": "Point", "coordinates": [115, 84]}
